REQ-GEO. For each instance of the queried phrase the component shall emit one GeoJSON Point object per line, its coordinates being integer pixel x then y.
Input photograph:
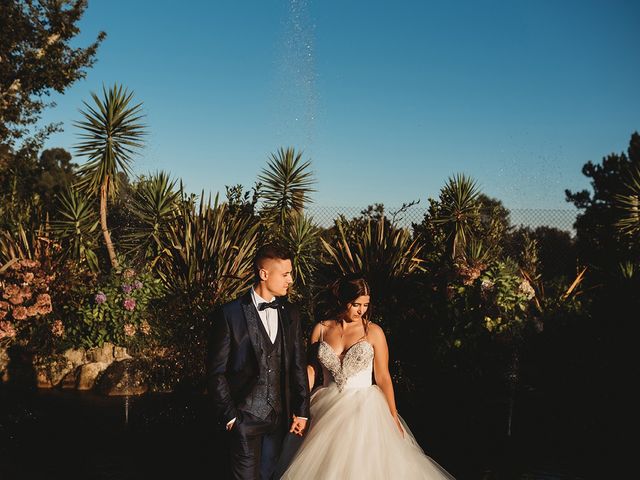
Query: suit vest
{"type": "Point", "coordinates": [266, 395]}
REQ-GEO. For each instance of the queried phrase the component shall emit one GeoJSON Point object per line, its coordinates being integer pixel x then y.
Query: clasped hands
{"type": "Point", "coordinates": [298, 425]}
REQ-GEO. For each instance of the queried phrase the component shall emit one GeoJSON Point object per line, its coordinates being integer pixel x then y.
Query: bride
{"type": "Point", "coordinates": [355, 431]}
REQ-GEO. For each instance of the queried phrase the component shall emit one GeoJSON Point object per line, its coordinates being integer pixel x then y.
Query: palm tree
{"type": "Point", "coordinates": [286, 184]}
{"type": "Point", "coordinates": [112, 134]}
{"type": "Point", "coordinates": [459, 210]}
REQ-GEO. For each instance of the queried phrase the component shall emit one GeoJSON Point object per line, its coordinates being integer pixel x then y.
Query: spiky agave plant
{"type": "Point", "coordinates": [112, 132]}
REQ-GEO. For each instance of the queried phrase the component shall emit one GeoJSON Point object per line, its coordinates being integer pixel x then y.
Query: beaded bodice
{"type": "Point", "coordinates": [355, 368]}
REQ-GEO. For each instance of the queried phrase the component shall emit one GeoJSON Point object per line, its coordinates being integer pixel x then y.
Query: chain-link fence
{"type": "Point", "coordinates": [562, 219]}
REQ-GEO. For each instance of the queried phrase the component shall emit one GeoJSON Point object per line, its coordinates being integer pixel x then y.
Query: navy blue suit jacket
{"type": "Point", "coordinates": [233, 356]}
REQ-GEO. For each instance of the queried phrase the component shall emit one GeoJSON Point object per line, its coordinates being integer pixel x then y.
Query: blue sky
{"type": "Point", "coordinates": [387, 99]}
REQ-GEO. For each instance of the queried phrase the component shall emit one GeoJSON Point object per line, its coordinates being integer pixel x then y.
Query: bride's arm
{"type": "Point", "coordinates": [312, 362]}
{"type": "Point", "coordinates": [381, 369]}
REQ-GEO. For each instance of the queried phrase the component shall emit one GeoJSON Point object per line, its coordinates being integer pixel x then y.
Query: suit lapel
{"type": "Point", "coordinates": [253, 323]}
{"type": "Point", "coordinates": [283, 314]}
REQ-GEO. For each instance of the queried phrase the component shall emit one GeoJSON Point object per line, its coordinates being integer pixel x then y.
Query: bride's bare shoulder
{"type": "Point", "coordinates": [322, 325]}
{"type": "Point", "coordinates": [375, 332]}
{"type": "Point", "coordinates": [327, 324]}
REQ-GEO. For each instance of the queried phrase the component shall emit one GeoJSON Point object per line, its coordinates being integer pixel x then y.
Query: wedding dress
{"type": "Point", "coordinates": [352, 435]}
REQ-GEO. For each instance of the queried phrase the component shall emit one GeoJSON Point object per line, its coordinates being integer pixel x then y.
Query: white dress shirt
{"type": "Point", "coordinates": [269, 316]}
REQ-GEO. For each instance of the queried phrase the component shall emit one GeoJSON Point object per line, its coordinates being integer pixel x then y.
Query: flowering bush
{"type": "Point", "coordinates": [118, 310]}
{"type": "Point", "coordinates": [506, 296]}
{"type": "Point", "coordinates": [25, 302]}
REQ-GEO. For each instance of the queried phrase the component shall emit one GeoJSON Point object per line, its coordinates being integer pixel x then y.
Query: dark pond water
{"type": "Point", "coordinates": [73, 435]}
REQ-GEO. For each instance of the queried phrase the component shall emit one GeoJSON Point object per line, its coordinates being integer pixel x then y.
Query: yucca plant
{"type": "Point", "coordinates": [76, 226]}
{"type": "Point", "coordinates": [30, 243]}
{"type": "Point", "coordinates": [459, 210]}
{"type": "Point", "coordinates": [286, 183]}
{"type": "Point", "coordinates": [210, 251]}
{"type": "Point", "coordinates": [473, 260]}
{"type": "Point", "coordinates": [629, 204]}
{"type": "Point", "coordinates": [301, 236]}
{"type": "Point", "coordinates": [627, 269]}
{"type": "Point", "coordinates": [478, 252]}
{"type": "Point", "coordinates": [155, 206]}
{"type": "Point", "coordinates": [382, 253]}
{"type": "Point", "coordinates": [112, 133]}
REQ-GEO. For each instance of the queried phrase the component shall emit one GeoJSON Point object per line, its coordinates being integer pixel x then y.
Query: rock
{"type": "Point", "coordinates": [75, 356]}
{"type": "Point", "coordinates": [52, 370]}
{"type": "Point", "coordinates": [120, 353]}
{"type": "Point", "coordinates": [42, 379]}
{"type": "Point", "coordinates": [70, 380]}
{"type": "Point", "coordinates": [88, 374]}
{"type": "Point", "coordinates": [125, 377]}
{"type": "Point", "coordinates": [102, 354]}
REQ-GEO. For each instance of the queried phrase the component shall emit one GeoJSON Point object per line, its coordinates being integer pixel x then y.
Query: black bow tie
{"type": "Point", "coordinates": [264, 305]}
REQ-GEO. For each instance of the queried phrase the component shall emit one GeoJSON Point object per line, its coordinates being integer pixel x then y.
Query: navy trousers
{"type": "Point", "coordinates": [255, 446]}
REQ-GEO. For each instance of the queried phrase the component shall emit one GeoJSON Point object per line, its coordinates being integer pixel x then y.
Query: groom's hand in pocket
{"type": "Point", "coordinates": [298, 425]}
{"type": "Point", "coordinates": [230, 424]}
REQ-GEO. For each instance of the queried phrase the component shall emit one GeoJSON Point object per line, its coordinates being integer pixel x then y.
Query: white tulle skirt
{"type": "Point", "coordinates": [353, 436]}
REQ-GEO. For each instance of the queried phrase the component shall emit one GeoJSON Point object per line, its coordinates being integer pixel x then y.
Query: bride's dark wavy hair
{"type": "Point", "coordinates": [339, 294]}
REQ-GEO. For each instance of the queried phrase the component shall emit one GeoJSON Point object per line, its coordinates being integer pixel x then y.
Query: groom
{"type": "Point", "coordinates": [257, 374]}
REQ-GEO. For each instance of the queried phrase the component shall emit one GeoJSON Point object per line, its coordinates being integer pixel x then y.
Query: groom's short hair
{"type": "Point", "coordinates": [269, 251]}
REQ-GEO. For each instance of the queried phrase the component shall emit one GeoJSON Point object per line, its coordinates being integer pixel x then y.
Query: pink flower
{"type": "Point", "coordinates": [43, 299]}
{"type": "Point", "coordinates": [32, 311]}
{"type": "Point", "coordinates": [100, 298]}
{"type": "Point", "coordinates": [129, 329]}
{"type": "Point", "coordinates": [29, 263]}
{"type": "Point", "coordinates": [3, 313]}
{"type": "Point", "coordinates": [129, 273]}
{"type": "Point", "coordinates": [129, 304]}
{"type": "Point", "coordinates": [44, 309]}
{"type": "Point", "coordinates": [26, 292]}
{"type": "Point", "coordinates": [4, 305]}
{"type": "Point", "coordinates": [28, 277]}
{"type": "Point", "coordinates": [57, 328]}
{"type": "Point", "coordinates": [19, 313]}
{"type": "Point", "coordinates": [10, 290]}
{"type": "Point", "coordinates": [15, 300]}
{"type": "Point", "coordinates": [7, 330]}
{"type": "Point", "coordinates": [145, 327]}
